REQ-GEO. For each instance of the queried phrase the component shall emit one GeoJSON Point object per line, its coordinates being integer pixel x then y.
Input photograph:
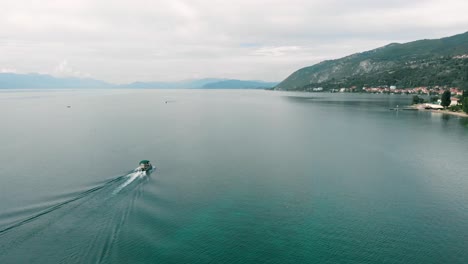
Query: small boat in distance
{"type": "Point", "coordinates": [145, 165]}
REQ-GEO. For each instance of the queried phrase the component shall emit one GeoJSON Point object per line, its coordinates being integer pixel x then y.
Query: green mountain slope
{"type": "Point", "coordinates": [418, 63]}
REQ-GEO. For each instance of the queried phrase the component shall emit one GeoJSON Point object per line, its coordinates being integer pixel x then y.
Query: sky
{"type": "Point", "coordinates": [122, 41]}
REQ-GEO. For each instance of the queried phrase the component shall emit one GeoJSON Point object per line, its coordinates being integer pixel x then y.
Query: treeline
{"type": "Point", "coordinates": [443, 71]}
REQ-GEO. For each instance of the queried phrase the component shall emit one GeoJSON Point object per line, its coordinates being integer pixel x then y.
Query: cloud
{"type": "Point", "coordinates": [63, 69]}
{"type": "Point", "coordinates": [8, 70]}
{"type": "Point", "coordinates": [276, 51]}
{"type": "Point", "coordinates": [123, 40]}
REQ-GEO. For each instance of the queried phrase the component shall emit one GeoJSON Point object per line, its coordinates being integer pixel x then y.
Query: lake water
{"type": "Point", "coordinates": [242, 177]}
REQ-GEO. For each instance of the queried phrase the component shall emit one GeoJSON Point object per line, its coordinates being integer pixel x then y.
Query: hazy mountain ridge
{"type": "Point", "coordinates": [188, 84]}
{"type": "Point", "coordinates": [239, 84]}
{"type": "Point", "coordinates": [422, 62]}
{"type": "Point", "coordinates": [33, 80]}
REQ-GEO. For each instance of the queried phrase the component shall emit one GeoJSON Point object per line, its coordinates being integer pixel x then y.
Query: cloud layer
{"type": "Point", "coordinates": [124, 41]}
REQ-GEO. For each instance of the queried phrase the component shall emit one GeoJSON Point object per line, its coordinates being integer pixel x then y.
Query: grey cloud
{"type": "Point", "coordinates": [123, 40]}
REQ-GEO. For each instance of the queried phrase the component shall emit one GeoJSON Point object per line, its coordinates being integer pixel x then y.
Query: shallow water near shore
{"type": "Point", "coordinates": [242, 176]}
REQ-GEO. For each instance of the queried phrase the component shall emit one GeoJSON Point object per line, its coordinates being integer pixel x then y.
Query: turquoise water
{"type": "Point", "coordinates": [242, 177]}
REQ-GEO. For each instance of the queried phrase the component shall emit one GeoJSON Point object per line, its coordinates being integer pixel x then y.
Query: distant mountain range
{"type": "Point", "coordinates": [419, 63]}
{"type": "Point", "coordinates": [188, 84]}
{"type": "Point", "coordinates": [31, 81]}
{"type": "Point", "coordinates": [238, 84]}
{"type": "Point", "coordinates": [17, 81]}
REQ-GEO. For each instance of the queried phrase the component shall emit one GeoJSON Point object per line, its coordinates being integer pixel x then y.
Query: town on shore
{"type": "Point", "coordinates": [435, 90]}
{"type": "Point", "coordinates": [446, 99]}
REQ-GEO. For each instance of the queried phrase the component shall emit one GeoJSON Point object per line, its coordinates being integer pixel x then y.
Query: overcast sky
{"type": "Point", "coordinates": [165, 40]}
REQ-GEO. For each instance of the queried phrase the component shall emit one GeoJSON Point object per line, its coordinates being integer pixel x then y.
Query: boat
{"type": "Point", "coordinates": [145, 165]}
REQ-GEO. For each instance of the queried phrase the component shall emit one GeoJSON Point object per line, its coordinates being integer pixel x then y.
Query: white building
{"type": "Point", "coordinates": [453, 101]}
{"type": "Point", "coordinates": [433, 106]}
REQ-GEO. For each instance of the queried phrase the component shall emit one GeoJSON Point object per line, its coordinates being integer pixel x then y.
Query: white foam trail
{"type": "Point", "coordinates": [131, 177]}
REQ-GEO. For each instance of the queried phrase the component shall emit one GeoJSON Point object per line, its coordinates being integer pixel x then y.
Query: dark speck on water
{"type": "Point", "coordinates": [243, 176]}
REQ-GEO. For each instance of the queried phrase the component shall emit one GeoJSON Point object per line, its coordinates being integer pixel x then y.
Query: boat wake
{"type": "Point", "coordinates": [131, 177]}
{"type": "Point", "coordinates": [91, 219]}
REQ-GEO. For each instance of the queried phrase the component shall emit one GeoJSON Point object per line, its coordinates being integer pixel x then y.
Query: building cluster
{"type": "Point", "coordinates": [318, 89]}
{"type": "Point", "coordinates": [418, 90]}
{"type": "Point", "coordinates": [464, 56]}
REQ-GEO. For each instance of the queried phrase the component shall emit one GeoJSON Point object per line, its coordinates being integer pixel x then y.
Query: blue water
{"type": "Point", "coordinates": [242, 177]}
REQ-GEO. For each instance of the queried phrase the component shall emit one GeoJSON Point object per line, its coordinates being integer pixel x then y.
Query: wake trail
{"type": "Point", "coordinates": [92, 220]}
{"type": "Point", "coordinates": [58, 206]}
{"type": "Point", "coordinates": [131, 178]}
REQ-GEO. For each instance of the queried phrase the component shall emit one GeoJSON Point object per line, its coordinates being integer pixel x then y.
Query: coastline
{"type": "Point", "coordinates": [420, 107]}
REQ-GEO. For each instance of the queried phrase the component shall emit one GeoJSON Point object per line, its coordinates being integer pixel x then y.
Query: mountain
{"type": "Point", "coordinates": [21, 81]}
{"type": "Point", "coordinates": [427, 62]}
{"type": "Point", "coordinates": [208, 83]}
{"type": "Point", "coordinates": [33, 80]}
{"type": "Point", "coordinates": [239, 84]}
{"type": "Point", "coordinates": [188, 84]}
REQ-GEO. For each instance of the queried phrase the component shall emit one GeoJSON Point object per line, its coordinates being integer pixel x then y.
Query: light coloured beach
{"type": "Point", "coordinates": [444, 111]}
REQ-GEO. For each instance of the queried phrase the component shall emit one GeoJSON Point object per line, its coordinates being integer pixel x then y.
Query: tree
{"type": "Point", "coordinates": [416, 99]}
{"type": "Point", "coordinates": [465, 105]}
{"type": "Point", "coordinates": [446, 99]}
{"type": "Point", "coordinates": [464, 95]}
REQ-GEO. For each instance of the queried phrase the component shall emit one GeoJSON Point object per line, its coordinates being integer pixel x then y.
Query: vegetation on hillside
{"type": "Point", "coordinates": [440, 62]}
{"type": "Point", "coordinates": [465, 105]}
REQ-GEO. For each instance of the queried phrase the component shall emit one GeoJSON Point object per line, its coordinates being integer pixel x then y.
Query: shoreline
{"type": "Point", "coordinates": [420, 107]}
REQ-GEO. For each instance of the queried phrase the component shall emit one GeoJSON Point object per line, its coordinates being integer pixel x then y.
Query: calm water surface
{"type": "Point", "coordinates": [242, 177]}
